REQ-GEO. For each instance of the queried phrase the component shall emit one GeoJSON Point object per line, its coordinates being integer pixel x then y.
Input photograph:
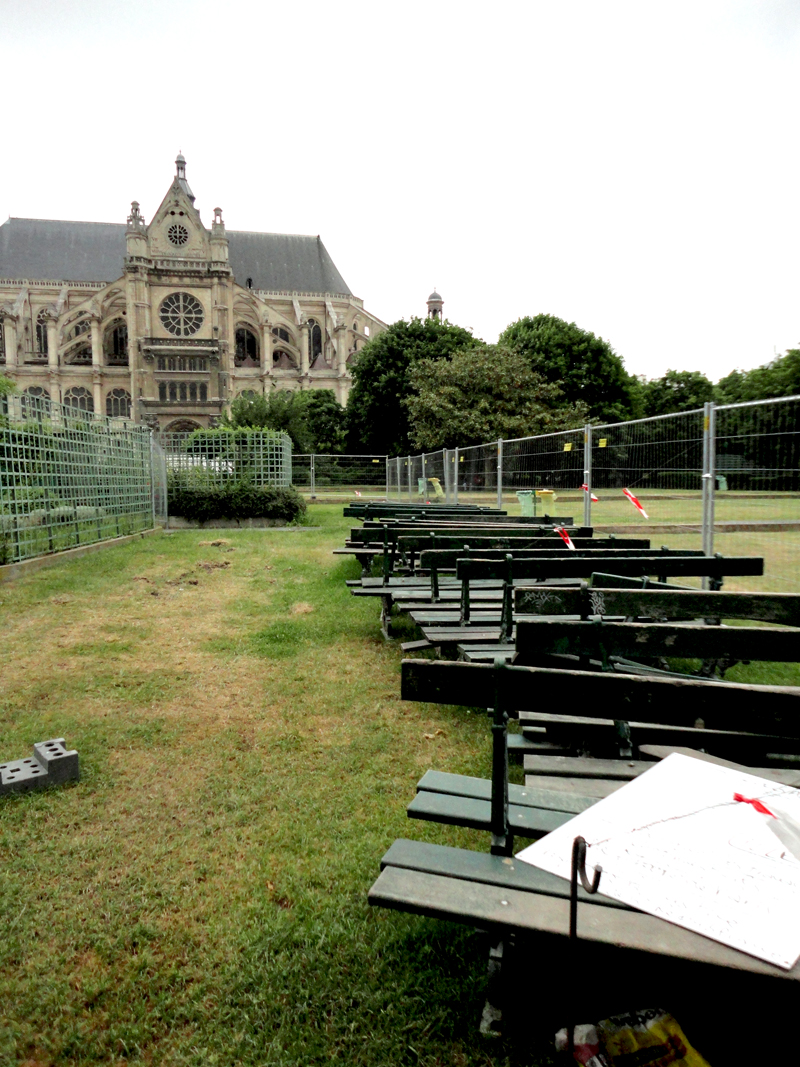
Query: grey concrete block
{"type": "Point", "coordinates": [52, 764]}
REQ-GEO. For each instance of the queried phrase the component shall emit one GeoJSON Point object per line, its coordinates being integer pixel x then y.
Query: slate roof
{"type": "Point", "coordinates": [51, 250]}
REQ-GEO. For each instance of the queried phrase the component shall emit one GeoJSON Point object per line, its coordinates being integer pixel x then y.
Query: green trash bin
{"type": "Point", "coordinates": [527, 502]}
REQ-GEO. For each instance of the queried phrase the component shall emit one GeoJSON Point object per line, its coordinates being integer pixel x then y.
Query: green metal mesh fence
{"type": "Point", "coordinates": [215, 457]}
{"type": "Point", "coordinates": [69, 478]}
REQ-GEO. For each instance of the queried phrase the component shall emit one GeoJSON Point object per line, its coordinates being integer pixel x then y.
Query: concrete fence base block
{"type": "Point", "coordinates": [52, 764]}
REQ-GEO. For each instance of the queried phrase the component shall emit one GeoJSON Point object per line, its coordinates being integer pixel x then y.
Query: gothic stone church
{"type": "Point", "coordinates": [166, 323]}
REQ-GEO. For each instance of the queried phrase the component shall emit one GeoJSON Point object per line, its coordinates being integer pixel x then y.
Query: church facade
{"type": "Point", "coordinates": [165, 323]}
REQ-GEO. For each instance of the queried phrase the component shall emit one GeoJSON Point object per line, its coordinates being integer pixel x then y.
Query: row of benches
{"type": "Point", "coordinates": [564, 625]}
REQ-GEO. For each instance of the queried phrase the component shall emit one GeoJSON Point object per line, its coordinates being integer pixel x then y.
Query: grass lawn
{"type": "Point", "coordinates": [199, 898]}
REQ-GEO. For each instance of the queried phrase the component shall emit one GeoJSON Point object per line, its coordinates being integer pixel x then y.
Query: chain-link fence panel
{"type": "Point", "coordinates": [757, 499]}
{"type": "Point", "coordinates": [431, 487]}
{"type": "Point", "coordinates": [476, 474]}
{"type": "Point", "coordinates": [543, 475]}
{"type": "Point", "coordinates": [332, 474]}
{"type": "Point", "coordinates": [211, 458]}
{"type": "Point", "coordinates": [659, 461]}
{"type": "Point", "coordinates": [69, 478]}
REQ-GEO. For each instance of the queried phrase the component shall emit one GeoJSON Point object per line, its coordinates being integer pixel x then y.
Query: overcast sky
{"type": "Point", "coordinates": [628, 165]}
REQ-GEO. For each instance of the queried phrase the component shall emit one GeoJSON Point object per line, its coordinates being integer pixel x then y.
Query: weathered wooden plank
{"type": "Point", "coordinates": [627, 770]}
{"type": "Point", "coordinates": [594, 733]}
{"type": "Point", "coordinates": [484, 869]}
{"type": "Point", "coordinates": [683, 641]}
{"type": "Point", "coordinates": [501, 908]}
{"type": "Point", "coordinates": [476, 814]}
{"type": "Point", "coordinates": [408, 542]}
{"type": "Point", "coordinates": [722, 705]}
{"type": "Point", "coordinates": [593, 787]}
{"type": "Point", "coordinates": [569, 567]}
{"type": "Point", "coordinates": [781, 608]}
{"type": "Point", "coordinates": [617, 770]}
{"type": "Point", "coordinates": [481, 789]}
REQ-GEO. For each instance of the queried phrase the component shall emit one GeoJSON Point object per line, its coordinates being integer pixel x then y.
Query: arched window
{"type": "Point", "coordinates": [41, 333]}
{"type": "Point", "coordinates": [118, 404]}
{"type": "Point", "coordinates": [79, 399]}
{"type": "Point", "coordinates": [182, 426]}
{"type": "Point", "coordinates": [173, 391]}
{"type": "Point", "coordinates": [278, 331]}
{"type": "Point", "coordinates": [116, 344]}
{"type": "Point", "coordinates": [2, 343]}
{"type": "Point", "coordinates": [314, 340]}
{"type": "Point", "coordinates": [83, 326]}
{"type": "Point", "coordinates": [162, 392]}
{"type": "Point", "coordinates": [246, 348]}
{"type": "Point", "coordinates": [35, 402]}
{"type": "Point", "coordinates": [203, 391]}
{"type": "Point", "coordinates": [183, 394]}
{"type": "Point", "coordinates": [249, 283]}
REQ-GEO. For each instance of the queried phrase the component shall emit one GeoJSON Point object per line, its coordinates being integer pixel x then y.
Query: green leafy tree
{"type": "Point", "coordinates": [677, 390]}
{"type": "Point", "coordinates": [378, 419]}
{"type": "Point", "coordinates": [781, 377]}
{"type": "Point", "coordinates": [326, 420]}
{"type": "Point", "coordinates": [585, 367]}
{"type": "Point", "coordinates": [6, 385]}
{"type": "Point", "coordinates": [314, 420]}
{"type": "Point", "coordinates": [483, 394]}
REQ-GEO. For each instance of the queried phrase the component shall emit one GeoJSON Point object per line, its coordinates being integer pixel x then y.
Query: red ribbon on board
{"type": "Point", "coordinates": [756, 804]}
{"type": "Point", "coordinates": [635, 502]}
{"type": "Point", "coordinates": [585, 488]}
{"type": "Point", "coordinates": [565, 537]}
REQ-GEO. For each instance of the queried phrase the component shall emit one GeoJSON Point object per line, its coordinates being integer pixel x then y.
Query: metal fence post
{"type": "Point", "coordinates": [408, 464]}
{"type": "Point", "coordinates": [455, 476]}
{"type": "Point", "coordinates": [500, 474]}
{"type": "Point", "coordinates": [311, 477]}
{"type": "Point", "coordinates": [424, 478]}
{"type": "Point", "coordinates": [587, 476]}
{"type": "Point", "coordinates": [386, 474]}
{"type": "Point", "coordinates": [708, 480]}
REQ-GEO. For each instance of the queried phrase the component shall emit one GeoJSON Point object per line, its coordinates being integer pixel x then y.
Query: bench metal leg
{"type": "Point", "coordinates": [386, 617]}
{"type": "Point", "coordinates": [492, 1015]}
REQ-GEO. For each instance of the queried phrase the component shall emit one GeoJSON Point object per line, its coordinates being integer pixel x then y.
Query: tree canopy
{"type": "Point", "coordinates": [483, 394]}
{"type": "Point", "coordinates": [313, 419]}
{"type": "Point", "coordinates": [677, 390]}
{"type": "Point", "coordinates": [781, 377]}
{"type": "Point", "coordinates": [585, 367]}
{"type": "Point", "coordinates": [378, 419]}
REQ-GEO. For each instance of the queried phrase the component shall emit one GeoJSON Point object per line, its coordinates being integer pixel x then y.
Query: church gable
{"type": "Point", "coordinates": [176, 229]}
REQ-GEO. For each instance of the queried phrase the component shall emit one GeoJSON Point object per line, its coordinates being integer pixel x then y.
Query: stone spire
{"type": "Point", "coordinates": [180, 171]}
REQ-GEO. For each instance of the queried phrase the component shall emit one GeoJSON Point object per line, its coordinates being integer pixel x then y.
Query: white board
{"type": "Point", "coordinates": [676, 844]}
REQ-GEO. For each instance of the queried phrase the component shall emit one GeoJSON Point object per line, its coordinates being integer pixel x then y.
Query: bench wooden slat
{"type": "Point", "coordinates": [637, 698]}
{"type": "Point", "coordinates": [476, 814]}
{"type": "Point", "coordinates": [481, 789]}
{"type": "Point", "coordinates": [627, 770]}
{"type": "Point", "coordinates": [683, 641]}
{"type": "Point", "coordinates": [632, 566]}
{"type": "Point", "coordinates": [485, 869]}
{"type": "Point", "coordinates": [492, 907]}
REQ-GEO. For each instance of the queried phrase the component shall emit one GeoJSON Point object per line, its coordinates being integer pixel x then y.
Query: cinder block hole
{"type": "Point", "coordinates": [3, 766]}
{"type": "Point", "coordinates": [27, 761]}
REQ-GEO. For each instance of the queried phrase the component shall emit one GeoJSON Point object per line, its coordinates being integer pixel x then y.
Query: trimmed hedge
{"type": "Point", "coordinates": [236, 500]}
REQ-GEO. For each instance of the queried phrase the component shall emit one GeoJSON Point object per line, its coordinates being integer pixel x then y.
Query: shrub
{"type": "Point", "coordinates": [240, 499]}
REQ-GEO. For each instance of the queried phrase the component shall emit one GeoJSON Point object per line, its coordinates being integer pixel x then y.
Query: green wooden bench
{"type": "Point", "coordinates": [494, 891]}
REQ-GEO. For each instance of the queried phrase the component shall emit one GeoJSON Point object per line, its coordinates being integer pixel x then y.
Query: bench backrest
{"type": "Point", "coordinates": [572, 565]}
{"type": "Point", "coordinates": [668, 701]}
{"type": "Point", "coordinates": [782, 608]}
{"type": "Point", "coordinates": [601, 640]}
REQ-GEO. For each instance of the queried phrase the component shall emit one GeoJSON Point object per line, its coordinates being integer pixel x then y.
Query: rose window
{"type": "Point", "coordinates": [181, 314]}
{"type": "Point", "coordinates": [178, 234]}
